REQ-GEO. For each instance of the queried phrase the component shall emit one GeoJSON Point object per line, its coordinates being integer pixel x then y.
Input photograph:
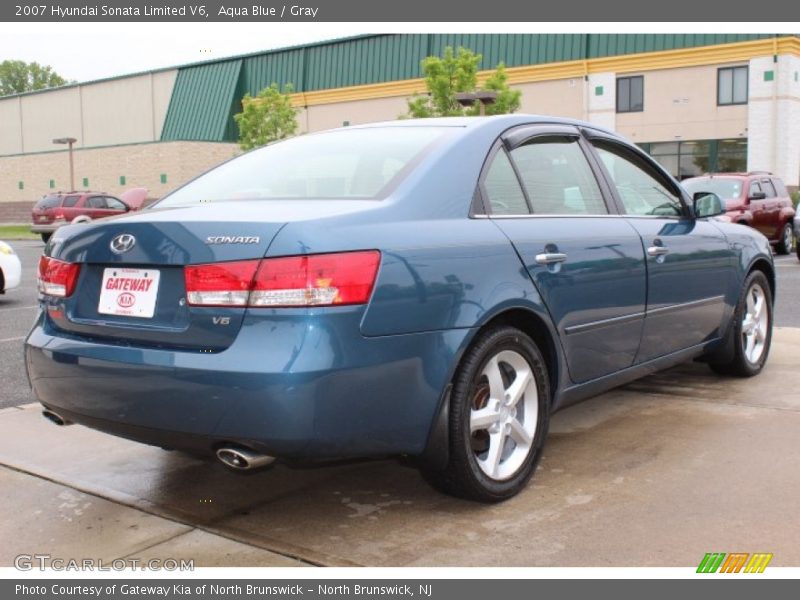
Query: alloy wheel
{"type": "Point", "coordinates": [755, 324]}
{"type": "Point", "coordinates": [504, 415]}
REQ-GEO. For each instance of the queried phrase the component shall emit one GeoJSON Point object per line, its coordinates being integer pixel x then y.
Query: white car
{"type": "Point", "coordinates": [10, 268]}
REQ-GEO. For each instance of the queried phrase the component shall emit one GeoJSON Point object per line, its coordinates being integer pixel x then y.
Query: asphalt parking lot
{"type": "Point", "coordinates": [656, 473]}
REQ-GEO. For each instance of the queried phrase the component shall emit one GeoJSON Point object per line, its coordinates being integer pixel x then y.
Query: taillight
{"type": "Point", "coordinates": [56, 277]}
{"type": "Point", "coordinates": [58, 215]}
{"type": "Point", "coordinates": [220, 284]}
{"type": "Point", "coordinates": [314, 280]}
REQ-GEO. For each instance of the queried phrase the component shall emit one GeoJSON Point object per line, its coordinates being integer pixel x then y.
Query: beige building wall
{"type": "Point", "coordinates": [114, 111]}
{"type": "Point", "coordinates": [48, 115]}
{"type": "Point", "coordinates": [558, 98]}
{"type": "Point", "coordinates": [328, 116]}
{"type": "Point", "coordinates": [562, 98]}
{"type": "Point", "coordinates": [10, 126]}
{"type": "Point", "coordinates": [125, 110]}
{"type": "Point", "coordinates": [141, 164]}
{"type": "Point", "coordinates": [681, 104]}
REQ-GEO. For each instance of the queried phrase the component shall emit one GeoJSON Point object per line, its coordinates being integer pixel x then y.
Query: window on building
{"type": "Point", "coordinates": [731, 156]}
{"type": "Point", "coordinates": [693, 158]}
{"type": "Point", "coordinates": [630, 94]}
{"type": "Point", "coordinates": [732, 85]}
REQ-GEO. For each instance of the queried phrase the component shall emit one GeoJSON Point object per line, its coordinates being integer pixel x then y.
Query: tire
{"type": "Point", "coordinates": [797, 250]}
{"type": "Point", "coordinates": [46, 237]}
{"type": "Point", "coordinates": [751, 325]}
{"type": "Point", "coordinates": [498, 358]}
{"type": "Point", "coordinates": [786, 241]}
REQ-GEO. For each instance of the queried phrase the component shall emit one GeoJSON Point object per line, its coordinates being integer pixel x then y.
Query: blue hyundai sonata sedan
{"type": "Point", "coordinates": [431, 288]}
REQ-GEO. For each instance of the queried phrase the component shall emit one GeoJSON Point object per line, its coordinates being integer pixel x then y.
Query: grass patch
{"type": "Point", "coordinates": [17, 232]}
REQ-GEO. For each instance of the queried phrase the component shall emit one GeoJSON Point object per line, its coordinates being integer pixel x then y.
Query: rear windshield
{"type": "Point", "coordinates": [341, 164]}
{"type": "Point", "coordinates": [48, 202]}
{"type": "Point", "coordinates": [726, 188]}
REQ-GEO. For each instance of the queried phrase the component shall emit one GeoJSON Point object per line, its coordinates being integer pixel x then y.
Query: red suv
{"type": "Point", "coordinates": [61, 208]}
{"type": "Point", "coordinates": [757, 199]}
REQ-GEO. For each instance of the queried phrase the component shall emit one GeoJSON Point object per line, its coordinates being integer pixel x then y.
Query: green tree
{"type": "Point", "coordinates": [456, 71]}
{"type": "Point", "coordinates": [17, 76]}
{"type": "Point", "coordinates": [266, 118]}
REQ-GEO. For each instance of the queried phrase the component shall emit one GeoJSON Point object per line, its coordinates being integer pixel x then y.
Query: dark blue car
{"type": "Point", "coordinates": [432, 288]}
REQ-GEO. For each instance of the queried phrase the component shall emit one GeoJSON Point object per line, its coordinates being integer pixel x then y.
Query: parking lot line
{"type": "Point", "coordinates": [13, 339]}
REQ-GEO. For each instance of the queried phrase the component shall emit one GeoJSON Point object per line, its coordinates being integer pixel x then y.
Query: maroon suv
{"type": "Point", "coordinates": [61, 208]}
{"type": "Point", "coordinates": [757, 199]}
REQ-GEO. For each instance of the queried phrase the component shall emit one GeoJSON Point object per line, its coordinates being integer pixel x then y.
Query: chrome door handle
{"type": "Point", "coordinates": [550, 258]}
{"type": "Point", "coordinates": [657, 251]}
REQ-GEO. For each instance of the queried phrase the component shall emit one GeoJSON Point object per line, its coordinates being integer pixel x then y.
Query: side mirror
{"type": "Point", "coordinates": [757, 196]}
{"type": "Point", "coordinates": [707, 204]}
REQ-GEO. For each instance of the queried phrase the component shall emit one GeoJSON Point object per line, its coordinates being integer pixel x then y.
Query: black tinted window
{"type": "Point", "coordinates": [630, 94]}
{"type": "Point", "coordinates": [70, 201]}
{"type": "Point", "coordinates": [48, 202]}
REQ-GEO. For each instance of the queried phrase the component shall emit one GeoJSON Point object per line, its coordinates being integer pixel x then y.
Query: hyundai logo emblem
{"type": "Point", "coordinates": [122, 243]}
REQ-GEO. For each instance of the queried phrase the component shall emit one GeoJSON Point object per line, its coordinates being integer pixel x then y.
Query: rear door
{"type": "Point", "coordinates": [757, 205]}
{"type": "Point", "coordinates": [71, 207]}
{"type": "Point", "coordinates": [95, 207]}
{"type": "Point", "coordinates": [689, 262]}
{"type": "Point", "coordinates": [586, 262]}
{"type": "Point", "coordinates": [772, 216]}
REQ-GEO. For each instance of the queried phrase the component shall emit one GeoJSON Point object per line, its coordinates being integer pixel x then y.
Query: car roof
{"type": "Point", "coordinates": [511, 120]}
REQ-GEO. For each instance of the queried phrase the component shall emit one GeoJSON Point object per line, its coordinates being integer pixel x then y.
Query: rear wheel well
{"type": "Point", "coordinates": [764, 266]}
{"type": "Point", "coordinates": [534, 326]}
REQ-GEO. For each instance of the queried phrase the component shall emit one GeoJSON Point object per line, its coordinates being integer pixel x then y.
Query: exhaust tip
{"type": "Point", "coordinates": [243, 459]}
{"type": "Point", "coordinates": [56, 418]}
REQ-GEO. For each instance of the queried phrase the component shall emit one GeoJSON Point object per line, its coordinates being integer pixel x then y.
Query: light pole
{"type": "Point", "coordinates": [70, 141]}
{"type": "Point", "coordinates": [470, 98]}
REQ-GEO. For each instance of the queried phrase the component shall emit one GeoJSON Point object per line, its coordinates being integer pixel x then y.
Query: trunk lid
{"type": "Point", "coordinates": [163, 243]}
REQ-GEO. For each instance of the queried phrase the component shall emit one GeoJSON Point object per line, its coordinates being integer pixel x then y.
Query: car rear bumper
{"type": "Point", "coordinates": [304, 386]}
{"type": "Point", "coordinates": [45, 227]}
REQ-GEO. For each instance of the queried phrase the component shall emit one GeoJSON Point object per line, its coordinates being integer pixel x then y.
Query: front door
{"type": "Point", "coordinates": [689, 261]}
{"type": "Point", "coordinates": [587, 264]}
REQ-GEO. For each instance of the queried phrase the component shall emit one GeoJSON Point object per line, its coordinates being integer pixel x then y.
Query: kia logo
{"type": "Point", "coordinates": [122, 243]}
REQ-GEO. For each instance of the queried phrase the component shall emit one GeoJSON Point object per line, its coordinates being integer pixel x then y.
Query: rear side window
{"type": "Point", "coordinates": [558, 178]}
{"type": "Point", "coordinates": [70, 201]}
{"type": "Point", "coordinates": [641, 189]}
{"type": "Point", "coordinates": [768, 188]}
{"type": "Point", "coordinates": [755, 188]}
{"type": "Point", "coordinates": [48, 202]}
{"type": "Point", "coordinates": [780, 188]}
{"type": "Point", "coordinates": [342, 164]}
{"type": "Point", "coordinates": [502, 188]}
{"type": "Point", "coordinates": [96, 202]}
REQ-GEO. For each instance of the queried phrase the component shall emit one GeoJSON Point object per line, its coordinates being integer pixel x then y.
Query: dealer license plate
{"type": "Point", "coordinates": [129, 292]}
